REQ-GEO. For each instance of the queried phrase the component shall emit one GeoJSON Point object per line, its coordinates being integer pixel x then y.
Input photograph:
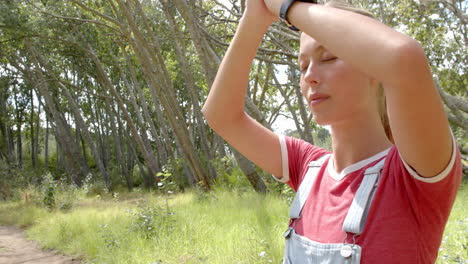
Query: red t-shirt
{"type": "Point", "coordinates": [407, 216]}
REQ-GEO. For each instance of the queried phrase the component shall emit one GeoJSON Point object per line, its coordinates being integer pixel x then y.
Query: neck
{"type": "Point", "coordinates": [356, 140]}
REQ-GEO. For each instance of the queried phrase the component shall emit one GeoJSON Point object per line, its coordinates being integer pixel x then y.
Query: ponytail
{"type": "Point", "coordinates": [382, 105]}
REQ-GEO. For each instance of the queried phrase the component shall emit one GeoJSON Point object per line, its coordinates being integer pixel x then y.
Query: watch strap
{"type": "Point", "coordinates": [285, 8]}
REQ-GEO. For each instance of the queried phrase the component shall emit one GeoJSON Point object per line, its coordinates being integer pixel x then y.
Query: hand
{"type": "Point", "coordinates": [258, 10]}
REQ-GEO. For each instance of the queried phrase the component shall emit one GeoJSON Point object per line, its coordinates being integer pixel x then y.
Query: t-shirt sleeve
{"type": "Point", "coordinates": [449, 169]}
{"type": "Point", "coordinates": [296, 154]}
{"type": "Point", "coordinates": [431, 198]}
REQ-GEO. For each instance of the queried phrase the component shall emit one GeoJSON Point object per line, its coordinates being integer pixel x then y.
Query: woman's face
{"type": "Point", "coordinates": [335, 90]}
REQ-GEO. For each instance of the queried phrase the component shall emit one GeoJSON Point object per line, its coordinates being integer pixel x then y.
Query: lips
{"type": "Point", "coordinates": [316, 98]}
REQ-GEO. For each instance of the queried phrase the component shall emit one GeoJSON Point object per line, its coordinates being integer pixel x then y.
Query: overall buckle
{"type": "Point", "coordinates": [287, 234]}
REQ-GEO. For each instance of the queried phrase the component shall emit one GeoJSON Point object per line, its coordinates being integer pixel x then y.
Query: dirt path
{"type": "Point", "coordinates": [16, 249]}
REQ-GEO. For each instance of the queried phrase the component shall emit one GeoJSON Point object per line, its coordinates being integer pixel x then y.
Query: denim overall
{"type": "Point", "coordinates": [301, 250]}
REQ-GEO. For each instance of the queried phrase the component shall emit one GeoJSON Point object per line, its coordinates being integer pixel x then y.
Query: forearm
{"type": "Point", "coordinates": [225, 101]}
{"type": "Point", "coordinates": [369, 45]}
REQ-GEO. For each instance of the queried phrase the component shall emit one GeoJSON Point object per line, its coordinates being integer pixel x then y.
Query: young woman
{"type": "Point", "coordinates": [379, 197]}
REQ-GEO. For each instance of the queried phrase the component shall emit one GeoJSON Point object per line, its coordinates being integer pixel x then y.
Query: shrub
{"type": "Point", "coordinates": [150, 220]}
{"type": "Point", "coordinates": [48, 191]}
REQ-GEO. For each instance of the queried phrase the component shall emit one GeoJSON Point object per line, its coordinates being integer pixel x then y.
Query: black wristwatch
{"type": "Point", "coordinates": [285, 8]}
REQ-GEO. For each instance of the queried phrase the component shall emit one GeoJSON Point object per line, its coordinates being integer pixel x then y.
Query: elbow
{"type": "Point", "coordinates": [409, 52]}
{"type": "Point", "coordinates": [204, 111]}
{"type": "Point", "coordinates": [206, 114]}
{"type": "Point", "coordinates": [211, 119]}
{"type": "Point", "coordinates": [220, 121]}
{"type": "Point", "coordinates": [407, 57]}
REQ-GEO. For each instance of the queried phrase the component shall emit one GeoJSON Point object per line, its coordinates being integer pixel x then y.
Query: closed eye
{"type": "Point", "coordinates": [305, 66]}
{"type": "Point", "coordinates": [330, 59]}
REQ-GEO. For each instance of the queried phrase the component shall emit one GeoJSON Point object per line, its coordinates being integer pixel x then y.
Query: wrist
{"type": "Point", "coordinates": [286, 6]}
{"type": "Point", "coordinates": [274, 6]}
{"type": "Point", "coordinates": [254, 23]}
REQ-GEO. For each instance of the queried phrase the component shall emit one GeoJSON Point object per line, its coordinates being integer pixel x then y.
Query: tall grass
{"type": "Point", "coordinates": [454, 246]}
{"type": "Point", "coordinates": [218, 227]}
{"type": "Point", "coordinates": [222, 227]}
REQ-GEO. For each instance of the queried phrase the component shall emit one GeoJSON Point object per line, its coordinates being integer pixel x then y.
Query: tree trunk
{"type": "Point", "coordinates": [128, 162]}
{"type": "Point", "coordinates": [99, 132]}
{"type": "Point", "coordinates": [121, 140]}
{"type": "Point", "coordinates": [141, 124]}
{"type": "Point", "coordinates": [58, 155]}
{"type": "Point", "coordinates": [6, 135]}
{"type": "Point", "coordinates": [248, 168]}
{"type": "Point", "coordinates": [134, 86]}
{"type": "Point", "coordinates": [19, 142]}
{"type": "Point", "coordinates": [287, 95]}
{"type": "Point", "coordinates": [46, 143]}
{"type": "Point", "coordinates": [103, 79]}
{"type": "Point", "coordinates": [210, 61]}
{"type": "Point", "coordinates": [145, 174]}
{"type": "Point", "coordinates": [200, 126]}
{"type": "Point", "coordinates": [31, 126]}
{"type": "Point", "coordinates": [117, 138]}
{"type": "Point", "coordinates": [206, 54]}
{"type": "Point", "coordinates": [19, 145]}
{"type": "Point", "coordinates": [75, 164]}
{"type": "Point", "coordinates": [307, 131]}
{"type": "Point", "coordinates": [81, 126]}
{"type": "Point", "coordinates": [38, 131]}
{"type": "Point", "coordinates": [153, 66]}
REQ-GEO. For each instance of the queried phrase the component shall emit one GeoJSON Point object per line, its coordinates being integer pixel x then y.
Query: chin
{"type": "Point", "coordinates": [322, 121]}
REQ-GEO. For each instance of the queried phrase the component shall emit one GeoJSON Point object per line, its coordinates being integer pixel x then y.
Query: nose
{"type": "Point", "coordinates": [310, 76]}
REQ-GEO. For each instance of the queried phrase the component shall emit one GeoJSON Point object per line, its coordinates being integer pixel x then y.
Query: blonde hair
{"type": "Point", "coordinates": [382, 102]}
{"type": "Point", "coordinates": [349, 7]}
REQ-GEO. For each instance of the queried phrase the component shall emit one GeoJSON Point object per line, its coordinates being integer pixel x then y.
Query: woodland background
{"type": "Point", "coordinates": [110, 91]}
{"type": "Point", "coordinates": [104, 152]}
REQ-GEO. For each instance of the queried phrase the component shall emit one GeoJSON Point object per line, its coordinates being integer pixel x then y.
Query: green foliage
{"type": "Point", "coordinates": [322, 138]}
{"type": "Point", "coordinates": [453, 248]}
{"type": "Point", "coordinates": [191, 231]}
{"type": "Point", "coordinates": [111, 240]}
{"type": "Point", "coordinates": [166, 178]}
{"type": "Point", "coordinates": [93, 187]}
{"type": "Point", "coordinates": [230, 176]}
{"type": "Point", "coordinates": [137, 176]}
{"type": "Point", "coordinates": [151, 219]}
{"type": "Point", "coordinates": [61, 31]}
{"type": "Point", "coordinates": [51, 194]}
{"type": "Point", "coordinates": [21, 214]}
{"type": "Point", "coordinates": [5, 186]}
{"type": "Point", "coordinates": [183, 229]}
{"type": "Point", "coordinates": [49, 186]}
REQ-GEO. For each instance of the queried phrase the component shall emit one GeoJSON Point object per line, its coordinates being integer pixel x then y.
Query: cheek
{"type": "Point", "coordinates": [349, 81]}
{"type": "Point", "coordinates": [303, 87]}
{"type": "Point", "coordinates": [342, 72]}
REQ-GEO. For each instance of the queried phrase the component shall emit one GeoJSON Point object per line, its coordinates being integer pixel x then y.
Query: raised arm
{"type": "Point", "coordinates": [419, 124]}
{"type": "Point", "coordinates": [224, 107]}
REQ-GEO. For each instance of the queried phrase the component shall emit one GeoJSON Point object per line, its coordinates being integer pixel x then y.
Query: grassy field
{"type": "Point", "coordinates": [219, 227]}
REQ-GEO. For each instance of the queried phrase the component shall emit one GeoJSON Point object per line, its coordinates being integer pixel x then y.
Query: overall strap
{"type": "Point", "coordinates": [357, 213]}
{"type": "Point", "coordinates": [305, 187]}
